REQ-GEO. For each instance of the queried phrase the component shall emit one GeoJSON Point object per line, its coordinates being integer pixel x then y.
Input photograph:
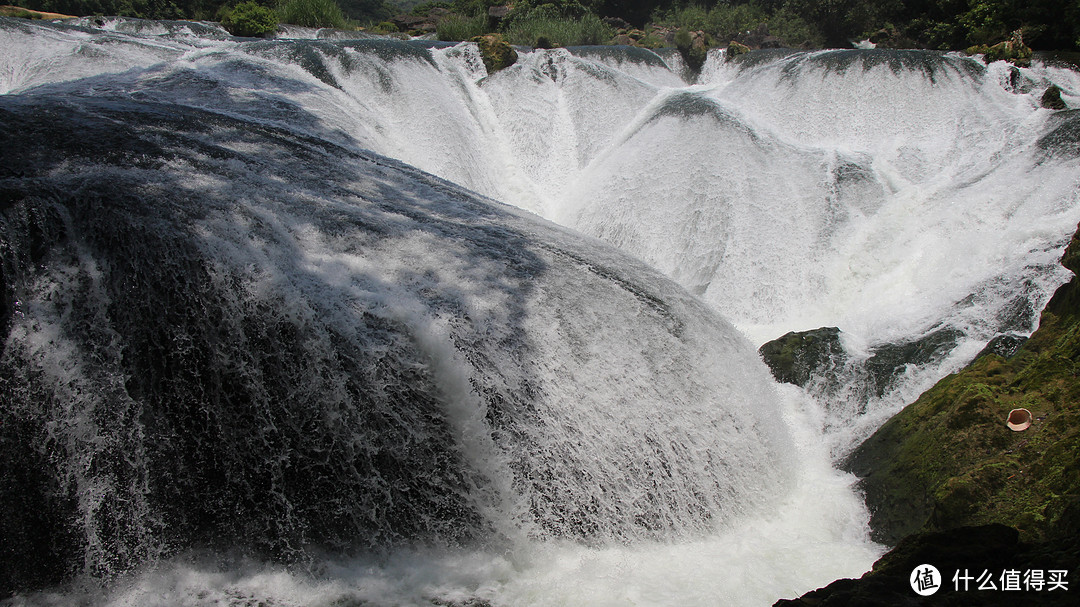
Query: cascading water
{"type": "Point", "coordinates": [250, 358]}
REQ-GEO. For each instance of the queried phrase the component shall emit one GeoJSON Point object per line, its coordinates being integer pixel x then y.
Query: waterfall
{"type": "Point", "coordinates": [332, 319]}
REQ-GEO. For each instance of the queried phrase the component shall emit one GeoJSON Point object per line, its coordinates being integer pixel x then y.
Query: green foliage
{"type": "Point", "coordinates": [250, 20]}
{"type": "Point", "coordinates": [383, 27]}
{"type": "Point", "coordinates": [474, 7]}
{"type": "Point", "coordinates": [144, 9]}
{"type": "Point", "coordinates": [312, 13]}
{"type": "Point", "coordinates": [543, 30]}
{"type": "Point", "coordinates": [795, 31]}
{"type": "Point", "coordinates": [367, 11]}
{"type": "Point", "coordinates": [423, 8]}
{"type": "Point", "coordinates": [722, 20]}
{"type": "Point", "coordinates": [939, 24]}
{"type": "Point", "coordinates": [726, 21]}
{"type": "Point", "coordinates": [545, 10]}
{"type": "Point", "coordinates": [457, 27]}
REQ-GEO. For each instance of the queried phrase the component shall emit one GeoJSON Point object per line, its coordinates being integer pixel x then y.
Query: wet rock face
{"type": "Point", "coordinates": [1005, 345]}
{"type": "Point", "coordinates": [1051, 99]}
{"type": "Point", "coordinates": [889, 361]}
{"type": "Point", "coordinates": [963, 552]}
{"type": "Point", "coordinates": [800, 355]}
{"type": "Point", "coordinates": [949, 460]}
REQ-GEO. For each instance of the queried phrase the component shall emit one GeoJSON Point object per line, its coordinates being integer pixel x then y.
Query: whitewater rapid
{"type": "Point", "coordinates": [890, 194]}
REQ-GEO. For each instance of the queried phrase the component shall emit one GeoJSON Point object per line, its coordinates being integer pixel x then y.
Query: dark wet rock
{"type": "Point", "coordinates": [890, 361]}
{"type": "Point", "coordinates": [958, 553]}
{"type": "Point", "coordinates": [694, 48]}
{"type": "Point", "coordinates": [1005, 345]}
{"type": "Point", "coordinates": [1062, 140]}
{"type": "Point", "coordinates": [407, 23]}
{"type": "Point", "coordinates": [797, 357]}
{"type": "Point", "coordinates": [1051, 98]}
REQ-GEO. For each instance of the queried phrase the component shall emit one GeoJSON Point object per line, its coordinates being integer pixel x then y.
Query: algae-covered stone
{"type": "Point", "coordinates": [797, 357]}
{"type": "Point", "coordinates": [734, 49]}
{"type": "Point", "coordinates": [496, 52]}
{"type": "Point", "coordinates": [948, 459]}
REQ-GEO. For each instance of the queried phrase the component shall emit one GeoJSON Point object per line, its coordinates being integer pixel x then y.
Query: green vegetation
{"type": "Point", "coordinates": [935, 24]}
{"type": "Point", "coordinates": [458, 27]}
{"type": "Point", "coordinates": [20, 13]}
{"type": "Point", "coordinates": [948, 459]}
{"type": "Point", "coordinates": [312, 13]}
{"type": "Point", "coordinates": [249, 19]}
{"type": "Point", "coordinates": [547, 31]}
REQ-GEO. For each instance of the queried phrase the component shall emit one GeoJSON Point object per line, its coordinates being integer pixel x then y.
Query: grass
{"type": "Point", "coordinates": [312, 13]}
{"type": "Point", "coordinates": [551, 32]}
{"type": "Point", "coordinates": [457, 28]}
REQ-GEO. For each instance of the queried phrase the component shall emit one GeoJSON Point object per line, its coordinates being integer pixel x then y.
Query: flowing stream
{"type": "Point", "coordinates": [328, 321]}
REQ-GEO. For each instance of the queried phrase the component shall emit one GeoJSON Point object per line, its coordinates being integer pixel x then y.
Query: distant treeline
{"type": "Point", "coordinates": [936, 24]}
{"type": "Point", "coordinates": [359, 10]}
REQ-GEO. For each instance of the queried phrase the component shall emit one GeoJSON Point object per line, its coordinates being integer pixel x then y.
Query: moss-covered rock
{"type": "Point", "coordinates": [734, 49]}
{"type": "Point", "coordinates": [694, 47]}
{"type": "Point", "coordinates": [496, 52]}
{"type": "Point", "coordinates": [800, 355]}
{"type": "Point", "coordinates": [1012, 50]}
{"type": "Point", "coordinates": [948, 459]}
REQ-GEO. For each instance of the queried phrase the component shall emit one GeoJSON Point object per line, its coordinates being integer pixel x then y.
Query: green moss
{"type": "Point", "coordinates": [496, 52]}
{"type": "Point", "coordinates": [951, 457]}
{"type": "Point", "coordinates": [796, 357]}
{"type": "Point", "coordinates": [735, 49]}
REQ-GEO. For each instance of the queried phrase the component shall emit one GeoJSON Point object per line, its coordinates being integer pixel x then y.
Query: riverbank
{"type": "Point", "coordinates": [949, 483]}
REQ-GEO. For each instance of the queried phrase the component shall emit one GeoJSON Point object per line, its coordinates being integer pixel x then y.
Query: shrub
{"type": "Point", "coordinates": [794, 30]}
{"type": "Point", "coordinates": [384, 27]}
{"type": "Point", "coordinates": [312, 13]}
{"type": "Point", "coordinates": [250, 20]}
